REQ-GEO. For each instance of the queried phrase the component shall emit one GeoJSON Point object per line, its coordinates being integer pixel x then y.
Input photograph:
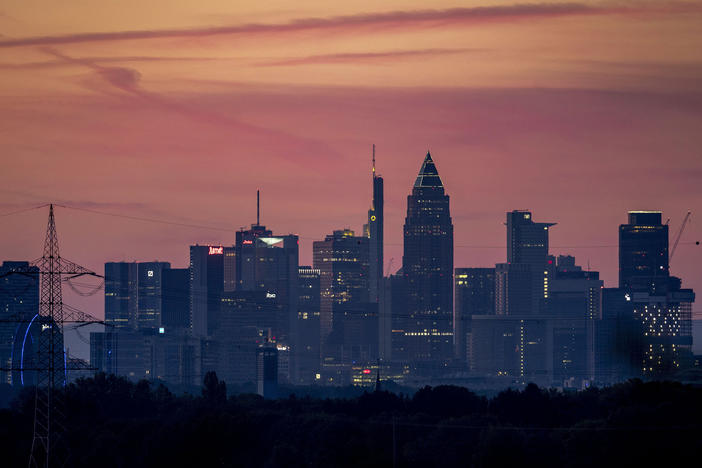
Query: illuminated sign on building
{"type": "Point", "coordinates": [161, 330]}
{"type": "Point", "coordinates": [270, 295]}
{"type": "Point", "coordinates": [366, 371]}
{"type": "Point", "coordinates": [248, 242]}
{"type": "Point", "coordinates": [150, 273]}
{"type": "Point", "coordinates": [216, 250]}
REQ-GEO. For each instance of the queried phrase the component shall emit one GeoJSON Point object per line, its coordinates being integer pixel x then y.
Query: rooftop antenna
{"type": "Point", "coordinates": [258, 207]}
{"type": "Point", "coordinates": [373, 159]}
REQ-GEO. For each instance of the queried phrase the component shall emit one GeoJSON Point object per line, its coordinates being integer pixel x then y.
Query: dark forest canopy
{"type": "Point", "coordinates": [115, 423]}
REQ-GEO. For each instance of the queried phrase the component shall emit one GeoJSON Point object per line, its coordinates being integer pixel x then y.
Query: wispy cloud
{"type": "Point", "coordinates": [365, 57]}
{"type": "Point", "coordinates": [104, 60]}
{"type": "Point", "coordinates": [371, 21]}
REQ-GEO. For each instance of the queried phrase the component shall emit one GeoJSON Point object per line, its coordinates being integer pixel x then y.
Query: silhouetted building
{"type": "Point", "coordinates": [527, 244]}
{"type": "Point", "coordinates": [427, 265]}
{"type": "Point", "coordinates": [246, 320]}
{"type": "Point", "coordinates": [206, 288]}
{"type": "Point", "coordinates": [658, 331]}
{"type": "Point", "coordinates": [267, 371]}
{"type": "Point", "coordinates": [348, 321]}
{"type": "Point", "coordinates": [375, 233]}
{"type": "Point", "coordinates": [574, 292]}
{"type": "Point", "coordinates": [268, 263]}
{"type": "Point", "coordinates": [19, 303]}
{"type": "Point", "coordinates": [475, 295]}
{"type": "Point", "coordinates": [175, 299]}
{"type": "Point", "coordinates": [540, 349]}
{"type": "Point", "coordinates": [643, 253]}
{"type": "Point", "coordinates": [149, 294]}
{"type": "Point", "coordinates": [124, 352]}
{"type": "Point", "coordinates": [121, 280]}
{"type": "Point", "coordinates": [514, 289]}
{"type": "Point", "coordinates": [307, 341]}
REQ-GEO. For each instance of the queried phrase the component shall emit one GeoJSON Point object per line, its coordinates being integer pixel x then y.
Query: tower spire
{"type": "Point", "coordinates": [258, 207]}
{"type": "Point", "coordinates": [373, 159]}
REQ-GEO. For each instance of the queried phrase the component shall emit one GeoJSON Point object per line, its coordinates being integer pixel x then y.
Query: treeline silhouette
{"type": "Point", "coordinates": [112, 422]}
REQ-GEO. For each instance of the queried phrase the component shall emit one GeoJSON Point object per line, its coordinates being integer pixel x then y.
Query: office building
{"type": "Point", "coordinates": [348, 321]}
{"type": "Point", "coordinates": [121, 280]}
{"type": "Point", "coordinates": [269, 263]}
{"type": "Point", "coordinates": [643, 253]}
{"type": "Point", "coordinates": [175, 300]}
{"type": "Point", "coordinates": [206, 288]}
{"type": "Point", "coordinates": [427, 266]}
{"type": "Point", "coordinates": [19, 303]}
{"type": "Point", "coordinates": [527, 246]}
{"type": "Point", "coordinates": [375, 233]}
{"type": "Point", "coordinates": [546, 350]}
{"type": "Point", "coordinates": [307, 341]}
{"type": "Point", "coordinates": [475, 295]}
{"type": "Point", "coordinates": [149, 294]}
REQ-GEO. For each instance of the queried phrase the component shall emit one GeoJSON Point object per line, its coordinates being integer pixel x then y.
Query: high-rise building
{"type": "Point", "coordinates": [134, 295]}
{"type": "Point", "coordinates": [348, 321]}
{"type": "Point", "coordinates": [527, 255]}
{"type": "Point", "coordinates": [206, 288]}
{"type": "Point", "coordinates": [268, 263]}
{"type": "Point", "coordinates": [375, 233]}
{"type": "Point", "coordinates": [475, 295]}
{"type": "Point", "coordinates": [19, 303]}
{"type": "Point", "coordinates": [121, 279]}
{"type": "Point", "coordinates": [307, 340]}
{"type": "Point", "coordinates": [149, 294]}
{"type": "Point", "coordinates": [175, 299]}
{"type": "Point", "coordinates": [659, 313]}
{"type": "Point", "coordinates": [514, 289]}
{"type": "Point", "coordinates": [246, 320]}
{"type": "Point", "coordinates": [643, 253]}
{"type": "Point", "coordinates": [427, 265]}
{"type": "Point", "coordinates": [574, 292]}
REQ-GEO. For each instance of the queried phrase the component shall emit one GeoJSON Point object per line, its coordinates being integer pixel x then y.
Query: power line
{"type": "Point", "coordinates": [24, 210]}
{"type": "Point", "coordinates": [145, 219]}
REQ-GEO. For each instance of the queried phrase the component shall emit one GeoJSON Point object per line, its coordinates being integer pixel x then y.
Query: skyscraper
{"type": "Point", "coordinates": [19, 303]}
{"type": "Point", "coordinates": [307, 339]}
{"type": "Point", "coordinates": [149, 294]}
{"type": "Point", "coordinates": [375, 233]}
{"type": "Point", "coordinates": [175, 299]}
{"type": "Point", "coordinates": [268, 263]}
{"type": "Point", "coordinates": [206, 288]}
{"type": "Point", "coordinates": [427, 265]}
{"type": "Point", "coordinates": [659, 335]}
{"type": "Point", "coordinates": [348, 322]}
{"type": "Point", "coordinates": [121, 281]}
{"type": "Point", "coordinates": [475, 295]}
{"type": "Point", "coordinates": [525, 276]}
{"type": "Point", "coordinates": [643, 253]}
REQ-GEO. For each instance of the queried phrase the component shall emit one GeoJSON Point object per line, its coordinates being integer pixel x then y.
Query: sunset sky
{"type": "Point", "coordinates": [180, 110]}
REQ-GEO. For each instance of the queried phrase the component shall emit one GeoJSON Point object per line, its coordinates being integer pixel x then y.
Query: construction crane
{"type": "Point", "coordinates": [677, 238]}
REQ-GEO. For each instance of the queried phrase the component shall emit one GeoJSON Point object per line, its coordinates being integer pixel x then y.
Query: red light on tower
{"type": "Point", "coordinates": [366, 371]}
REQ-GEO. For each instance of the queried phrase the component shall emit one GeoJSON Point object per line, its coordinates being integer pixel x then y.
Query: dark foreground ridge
{"type": "Point", "coordinates": [112, 422]}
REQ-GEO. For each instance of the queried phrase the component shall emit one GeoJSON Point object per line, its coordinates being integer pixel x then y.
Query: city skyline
{"type": "Point", "coordinates": [415, 230]}
{"type": "Point", "coordinates": [566, 110]}
{"type": "Point", "coordinates": [492, 250]}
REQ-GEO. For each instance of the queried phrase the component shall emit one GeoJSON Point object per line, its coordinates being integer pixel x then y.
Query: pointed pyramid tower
{"type": "Point", "coordinates": [428, 175]}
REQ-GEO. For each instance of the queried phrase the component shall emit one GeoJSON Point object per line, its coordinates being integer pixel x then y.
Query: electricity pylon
{"type": "Point", "coordinates": [50, 365]}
